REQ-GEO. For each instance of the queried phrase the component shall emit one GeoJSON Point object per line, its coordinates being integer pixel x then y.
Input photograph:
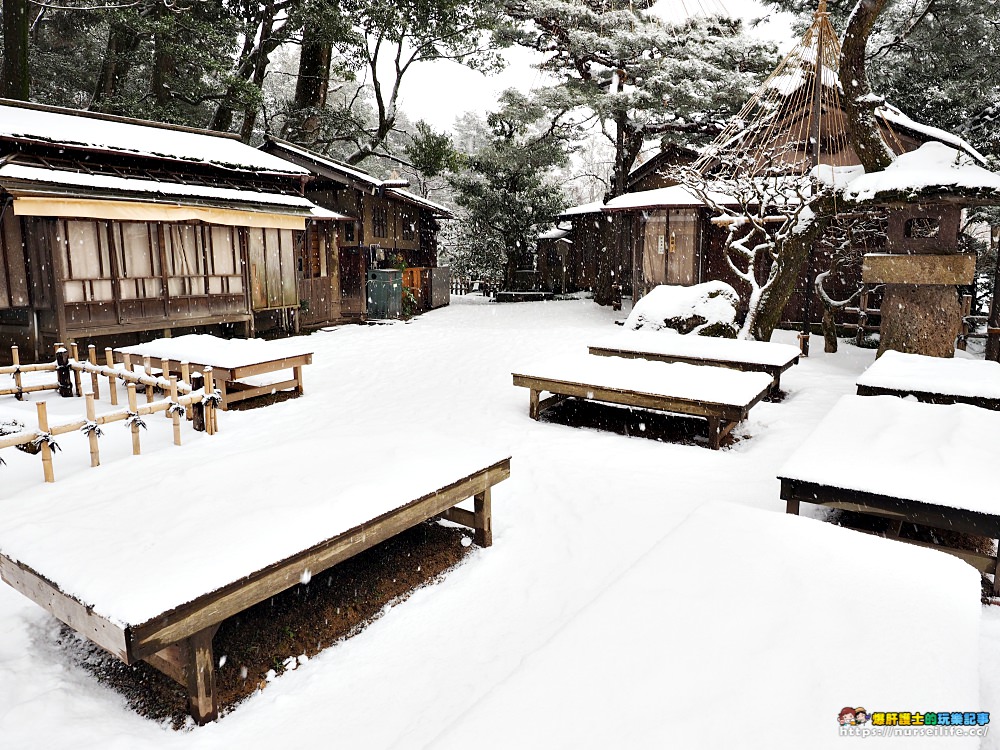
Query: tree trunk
{"type": "Point", "coordinates": [793, 253]}
{"type": "Point", "coordinates": [118, 57]}
{"type": "Point", "coordinates": [164, 68]}
{"type": "Point", "coordinates": [859, 104]}
{"type": "Point", "coordinates": [16, 81]}
{"type": "Point", "coordinates": [314, 70]}
{"type": "Point", "coordinates": [830, 341]}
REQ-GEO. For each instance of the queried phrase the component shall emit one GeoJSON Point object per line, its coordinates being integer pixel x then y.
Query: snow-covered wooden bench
{"type": "Point", "coordinates": [905, 461]}
{"type": "Point", "coordinates": [722, 397]}
{"type": "Point", "coordinates": [934, 380]}
{"type": "Point", "coordinates": [241, 366]}
{"type": "Point", "coordinates": [150, 576]}
{"type": "Point", "coordinates": [736, 354]}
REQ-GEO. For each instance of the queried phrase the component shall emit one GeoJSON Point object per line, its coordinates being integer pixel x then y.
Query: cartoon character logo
{"type": "Point", "coordinates": [860, 715]}
{"type": "Point", "coordinates": [846, 716]}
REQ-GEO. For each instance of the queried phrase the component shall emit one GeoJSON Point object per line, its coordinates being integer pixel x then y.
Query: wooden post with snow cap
{"type": "Point", "coordinates": [77, 379]}
{"type": "Point", "coordinates": [43, 427]}
{"type": "Point", "coordinates": [62, 372]}
{"type": "Point", "coordinates": [16, 359]}
{"type": "Point", "coordinates": [186, 378]}
{"type": "Point", "coordinates": [133, 408]}
{"type": "Point", "coordinates": [173, 413]}
{"type": "Point", "coordinates": [147, 368]}
{"type": "Point", "coordinates": [95, 455]}
{"type": "Point", "coordinates": [92, 358]}
{"type": "Point", "coordinates": [211, 425]}
{"type": "Point", "coordinates": [197, 406]}
{"type": "Point", "coordinates": [109, 358]}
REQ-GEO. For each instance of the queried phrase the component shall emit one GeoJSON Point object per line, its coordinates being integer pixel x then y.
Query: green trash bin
{"type": "Point", "coordinates": [385, 293]}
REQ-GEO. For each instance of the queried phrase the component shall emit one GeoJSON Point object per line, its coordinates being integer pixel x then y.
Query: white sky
{"type": "Point", "coordinates": [441, 91]}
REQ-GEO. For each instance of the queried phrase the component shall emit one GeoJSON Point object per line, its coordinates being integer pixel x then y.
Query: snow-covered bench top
{"type": "Point", "coordinates": [708, 348]}
{"type": "Point", "coordinates": [150, 539]}
{"type": "Point", "coordinates": [801, 592]}
{"type": "Point", "coordinates": [219, 352]}
{"type": "Point", "coordinates": [678, 380]}
{"type": "Point", "coordinates": [903, 449]}
{"type": "Point", "coordinates": [916, 373]}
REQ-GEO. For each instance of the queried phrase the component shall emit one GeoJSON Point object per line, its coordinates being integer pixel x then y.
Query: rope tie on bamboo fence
{"type": "Point", "coordinates": [134, 419]}
{"type": "Point", "coordinates": [92, 428]}
{"type": "Point", "coordinates": [45, 438]}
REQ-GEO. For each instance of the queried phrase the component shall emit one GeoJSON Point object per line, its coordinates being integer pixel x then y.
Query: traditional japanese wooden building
{"type": "Point", "coordinates": [665, 234]}
{"type": "Point", "coordinates": [116, 230]}
{"type": "Point", "coordinates": [386, 226]}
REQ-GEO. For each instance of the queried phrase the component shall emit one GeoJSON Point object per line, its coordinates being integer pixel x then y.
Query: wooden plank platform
{"type": "Point", "coordinates": [745, 356]}
{"type": "Point", "coordinates": [722, 413]}
{"type": "Point", "coordinates": [228, 370]}
{"type": "Point", "coordinates": [898, 460]}
{"type": "Point", "coordinates": [933, 380]}
{"type": "Point", "coordinates": [178, 642]}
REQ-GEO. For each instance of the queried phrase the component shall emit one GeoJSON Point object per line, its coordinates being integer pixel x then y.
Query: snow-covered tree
{"type": "Point", "coordinates": [639, 77]}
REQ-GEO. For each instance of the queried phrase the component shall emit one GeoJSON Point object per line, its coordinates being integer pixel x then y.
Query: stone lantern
{"type": "Point", "coordinates": [921, 269]}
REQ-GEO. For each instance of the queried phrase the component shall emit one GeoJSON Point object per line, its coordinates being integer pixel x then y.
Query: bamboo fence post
{"type": "Point", "coordinates": [133, 408]}
{"type": "Point", "coordinates": [75, 351]}
{"type": "Point", "coordinates": [63, 368]}
{"type": "Point", "coordinates": [95, 455]}
{"type": "Point", "coordinates": [173, 412]}
{"type": "Point", "coordinates": [92, 358]}
{"type": "Point", "coordinates": [43, 427]}
{"type": "Point", "coordinates": [186, 378]}
{"type": "Point", "coordinates": [109, 357]}
{"type": "Point", "coordinates": [16, 357]}
{"type": "Point", "coordinates": [210, 423]}
{"type": "Point", "coordinates": [148, 368]}
{"type": "Point", "coordinates": [165, 367]}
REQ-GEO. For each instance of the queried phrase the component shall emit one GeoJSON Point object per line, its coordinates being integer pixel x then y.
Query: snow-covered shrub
{"type": "Point", "coordinates": [707, 309]}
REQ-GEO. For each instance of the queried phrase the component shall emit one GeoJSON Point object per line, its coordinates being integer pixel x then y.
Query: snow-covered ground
{"type": "Point", "coordinates": [638, 594]}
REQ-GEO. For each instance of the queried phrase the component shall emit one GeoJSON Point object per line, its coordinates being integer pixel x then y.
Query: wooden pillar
{"type": "Point", "coordinates": [173, 413]}
{"type": "Point", "coordinates": [77, 379]}
{"type": "Point", "coordinates": [43, 426]}
{"type": "Point", "coordinates": [197, 407]}
{"type": "Point", "coordinates": [200, 672]}
{"type": "Point", "coordinates": [95, 455]}
{"type": "Point", "coordinates": [484, 518]}
{"type": "Point", "coordinates": [109, 358]}
{"type": "Point", "coordinates": [16, 360]}
{"type": "Point", "coordinates": [533, 404]}
{"type": "Point", "coordinates": [714, 434]}
{"type": "Point", "coordinates": [133, 408]}
{"type": "Point", "coordinates": [92, 358]}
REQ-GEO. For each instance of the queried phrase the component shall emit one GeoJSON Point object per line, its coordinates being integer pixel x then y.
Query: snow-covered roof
{"type": "Point", "coordinates": [318, 212]}
{"type": "Point", "coordinates": [49, 179]}
{"type": "Point", "coordinates": [80, 130]}
{"type": "Point", "coordinates": [352, 173]}
{"type": "Point", "coordinates": [934, 167]}
{"type": "Point", "coordinates": [584, 208]}
{"type": "Point", "coordinates": [675, 195]}
{"type": "Point", "coordinates": [312, 156]}
{"type": "Point", "coordinates": [894, 117]}
{"type": "Point", "coordinates": [417, 200]}
{"type": "Point", "coordinates": [554, 234]}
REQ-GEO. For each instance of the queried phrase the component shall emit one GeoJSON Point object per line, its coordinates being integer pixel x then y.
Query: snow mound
{"type": "Point", "coordinates": [707, 309]}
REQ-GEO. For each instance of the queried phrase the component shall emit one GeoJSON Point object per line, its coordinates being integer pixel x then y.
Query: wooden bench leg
{"type": "Point", "coordinates": [996, 575]}
{"type": "Point", "coordinates": [297, 374]}
{"type": "Point", "coordinates": [792, 506]}
{"type": "Point", "coordinates": [484, 519]}
{"type": "Point", "coordinates": [200, 672]}
{"type": "Point", "coordinates": [714, 433]}
{"type": "Point", "coordinates": [533, 405]}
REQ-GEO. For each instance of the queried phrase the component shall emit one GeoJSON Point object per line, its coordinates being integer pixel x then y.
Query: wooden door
{"type": "Point", "coordinates": [352, 282]}
{"type": "Point", "coordinates": [319, 280]}
{"type": "Point", "coordinates": [682, 243]}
